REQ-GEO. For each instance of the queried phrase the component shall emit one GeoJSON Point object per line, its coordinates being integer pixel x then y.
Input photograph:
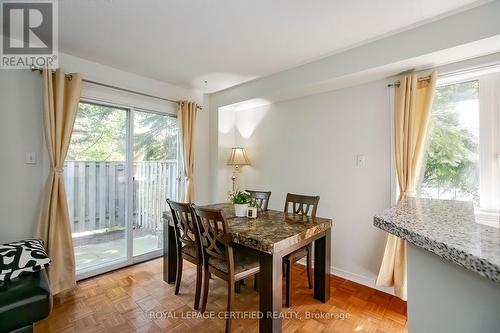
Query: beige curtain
{"type": "Point", "coordinates": [61, 94]}
{"type": "Point", "coordinates": [412, 107]}
{"type": "Point", "coordinates": [187, 119]}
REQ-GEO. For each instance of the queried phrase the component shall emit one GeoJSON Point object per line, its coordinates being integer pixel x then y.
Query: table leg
{"type": "Point", "coordinates": [169, 254]}
{"type": "Point", "coordinates": [270, 293]}
{"type": "Point", "coordinates": [322, 254]}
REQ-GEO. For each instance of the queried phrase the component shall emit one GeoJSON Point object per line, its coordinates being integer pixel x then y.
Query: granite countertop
{"type": "Point", "coordinates": [272, 231]}
{"type": "Point", "coordinates": [446, 228]}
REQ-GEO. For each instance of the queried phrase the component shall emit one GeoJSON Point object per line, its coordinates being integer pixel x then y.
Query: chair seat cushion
{"type": "Point", "coordinates": [22, 257]}
{"type": "Point", "coordinates": [190, 250]}
{"type": "Point", "coordinates": [297, 254]}
{"type": "Point", "coordinates": [243, 260]}
{"type": "Point", "coordinates": [24, 300]}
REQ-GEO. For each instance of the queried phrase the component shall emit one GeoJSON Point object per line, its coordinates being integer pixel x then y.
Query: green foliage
{"type": "Point", "coordinates": [155, 137]}
{"type": "Point", "coordinates": [452, 159]}
{"type": "Point", "coordinates": [253, 203]}
{"type": "Point", "coordinates": [240, 197]}
{"type": "Point", "coordinates": [100, 135]}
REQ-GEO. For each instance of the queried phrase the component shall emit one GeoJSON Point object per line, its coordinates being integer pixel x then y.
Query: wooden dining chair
{"type": "Point", "coordinates": [300, 205]}
{"type": "Point", "coordinates": [187, 239]}
{"type": "Point", "coordinates": [221, 257]}
{"type": "Point", "coordinates": [262, 198]}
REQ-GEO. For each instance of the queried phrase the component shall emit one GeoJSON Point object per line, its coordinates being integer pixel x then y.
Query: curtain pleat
{"type": "Point", "coordinates": [61, 95]}
{"type": "Point", "coordinates": [187, 120]}
{"type": "Point", "coordinates": [412, 108]}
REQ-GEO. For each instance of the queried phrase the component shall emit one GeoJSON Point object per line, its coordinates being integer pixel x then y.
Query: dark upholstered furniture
{"type": "Point", "coordinates": [23, 301]}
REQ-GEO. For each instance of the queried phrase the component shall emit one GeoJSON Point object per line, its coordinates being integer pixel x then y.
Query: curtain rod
{"type": "Point", "coordinates": [397, 83]}
{"type": "Point", "coordinates": [472, 69]}
{"type": "Point", "coordinates": [199, 107]}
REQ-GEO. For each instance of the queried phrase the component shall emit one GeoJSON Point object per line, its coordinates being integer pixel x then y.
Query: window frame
{"type": "Point", "coordinates": [489, 145]}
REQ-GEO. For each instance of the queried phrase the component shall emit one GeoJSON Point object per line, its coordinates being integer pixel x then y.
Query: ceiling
{"type": "Point", "coordinates": [213, 45]}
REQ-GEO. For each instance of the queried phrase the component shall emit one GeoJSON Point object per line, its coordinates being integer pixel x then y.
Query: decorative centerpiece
{"type": "Point", "coordinates": [253, 207]}
{"type": "Point", "coordinates": [240, 201]}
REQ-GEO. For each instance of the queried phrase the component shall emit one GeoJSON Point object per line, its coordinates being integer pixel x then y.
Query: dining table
{"type": "Point", "coordinates": [272, 234]}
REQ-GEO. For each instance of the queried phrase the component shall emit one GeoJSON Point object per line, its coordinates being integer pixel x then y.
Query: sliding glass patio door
{"type": "Point", "coordinates": [95, 177]}
{"type": "Point", "coordinates": [155, 177]}
{"type": "Point", "coordinates": [115, 214]}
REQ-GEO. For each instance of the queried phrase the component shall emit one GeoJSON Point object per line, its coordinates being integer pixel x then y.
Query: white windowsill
{"type": "Point", "coordinates": [489, 218]}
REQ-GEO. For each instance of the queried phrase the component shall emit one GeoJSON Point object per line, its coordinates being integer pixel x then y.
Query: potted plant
{"type": "Point", "coordinates": [240, 201]}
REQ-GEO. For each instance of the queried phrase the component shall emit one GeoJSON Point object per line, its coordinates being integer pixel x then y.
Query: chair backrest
{"type": "Point", "coordinates": [262, 198]}
{"type": "Point", "coordinates": [185, 227]}
{"type": "Point", "coordinates": [216, 241]}
{"type": "Point", "coordinates": [302, 204]}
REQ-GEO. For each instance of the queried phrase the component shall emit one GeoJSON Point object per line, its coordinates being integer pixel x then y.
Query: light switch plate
{"type": "Point", "coordinates": [30, 157]}
{"type": "Point", "coordinates": [360, 161]}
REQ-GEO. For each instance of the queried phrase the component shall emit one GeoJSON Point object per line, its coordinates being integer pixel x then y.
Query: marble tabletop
{"type": "Point", "coordinates": [272, 231]}
{"type": "Point", "coordinates": [446, 228]}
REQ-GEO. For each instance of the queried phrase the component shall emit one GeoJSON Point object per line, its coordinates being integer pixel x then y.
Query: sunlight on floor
{"type": "Point", "coordinates": [98, 254]}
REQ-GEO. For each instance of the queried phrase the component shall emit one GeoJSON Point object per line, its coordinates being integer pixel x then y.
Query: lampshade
{"type": "Point", "coordinates": [238, 157]}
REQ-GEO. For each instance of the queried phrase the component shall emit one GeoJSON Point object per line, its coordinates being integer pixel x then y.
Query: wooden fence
{"type": "Point", "coordinates": [97, 193]}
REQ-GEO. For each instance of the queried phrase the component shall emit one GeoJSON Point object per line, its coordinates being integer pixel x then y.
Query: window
{"type": "Point", "coordinates": [452, 156]}
{"type": "Point", "coordinates": [461, 160]}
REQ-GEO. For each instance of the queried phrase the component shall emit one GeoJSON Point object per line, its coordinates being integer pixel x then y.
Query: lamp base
{"type": "Point", "coordinates": [233, 178]}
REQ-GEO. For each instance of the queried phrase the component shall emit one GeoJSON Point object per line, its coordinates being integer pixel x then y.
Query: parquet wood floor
{"type": "Point", "coordinates": [135, 299]}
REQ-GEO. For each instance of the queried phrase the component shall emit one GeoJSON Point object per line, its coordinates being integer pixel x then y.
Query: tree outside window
{"type": "Point", "coordinates": [452, 157]}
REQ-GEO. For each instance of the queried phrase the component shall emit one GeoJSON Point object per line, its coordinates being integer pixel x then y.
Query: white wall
{"type": "Point", "coordinates": [309, 146]}
{"type": "Point", "coordinates": [21, 131]}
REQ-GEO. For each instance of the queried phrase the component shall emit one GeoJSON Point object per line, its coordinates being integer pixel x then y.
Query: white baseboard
{"type": "Point", "coordinates": [366, 281]}
{"type": "Point", "coordinates": [360, 279]}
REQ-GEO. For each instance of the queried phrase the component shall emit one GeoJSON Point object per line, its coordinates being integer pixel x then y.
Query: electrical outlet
{"type": "Point", "coordinates": [30, 157]}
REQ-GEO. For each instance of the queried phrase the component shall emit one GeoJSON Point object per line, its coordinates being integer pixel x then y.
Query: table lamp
{"type": "Point", "coordinates": [237, 158]}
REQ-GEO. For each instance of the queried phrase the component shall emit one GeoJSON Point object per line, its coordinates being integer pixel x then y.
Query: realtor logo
{"type": "Point", "coordinates": [29, 34]}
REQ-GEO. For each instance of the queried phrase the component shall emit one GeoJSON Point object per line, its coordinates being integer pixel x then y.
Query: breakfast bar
{"type": "Point", "coordinates": [453, 265]}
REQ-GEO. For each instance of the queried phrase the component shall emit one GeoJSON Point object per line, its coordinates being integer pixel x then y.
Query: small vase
{"type": "Point", "coordinates": [240, 210]}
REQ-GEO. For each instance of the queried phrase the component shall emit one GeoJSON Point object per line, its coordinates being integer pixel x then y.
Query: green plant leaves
{"type": "Point", "coordinates": [240, 197]}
